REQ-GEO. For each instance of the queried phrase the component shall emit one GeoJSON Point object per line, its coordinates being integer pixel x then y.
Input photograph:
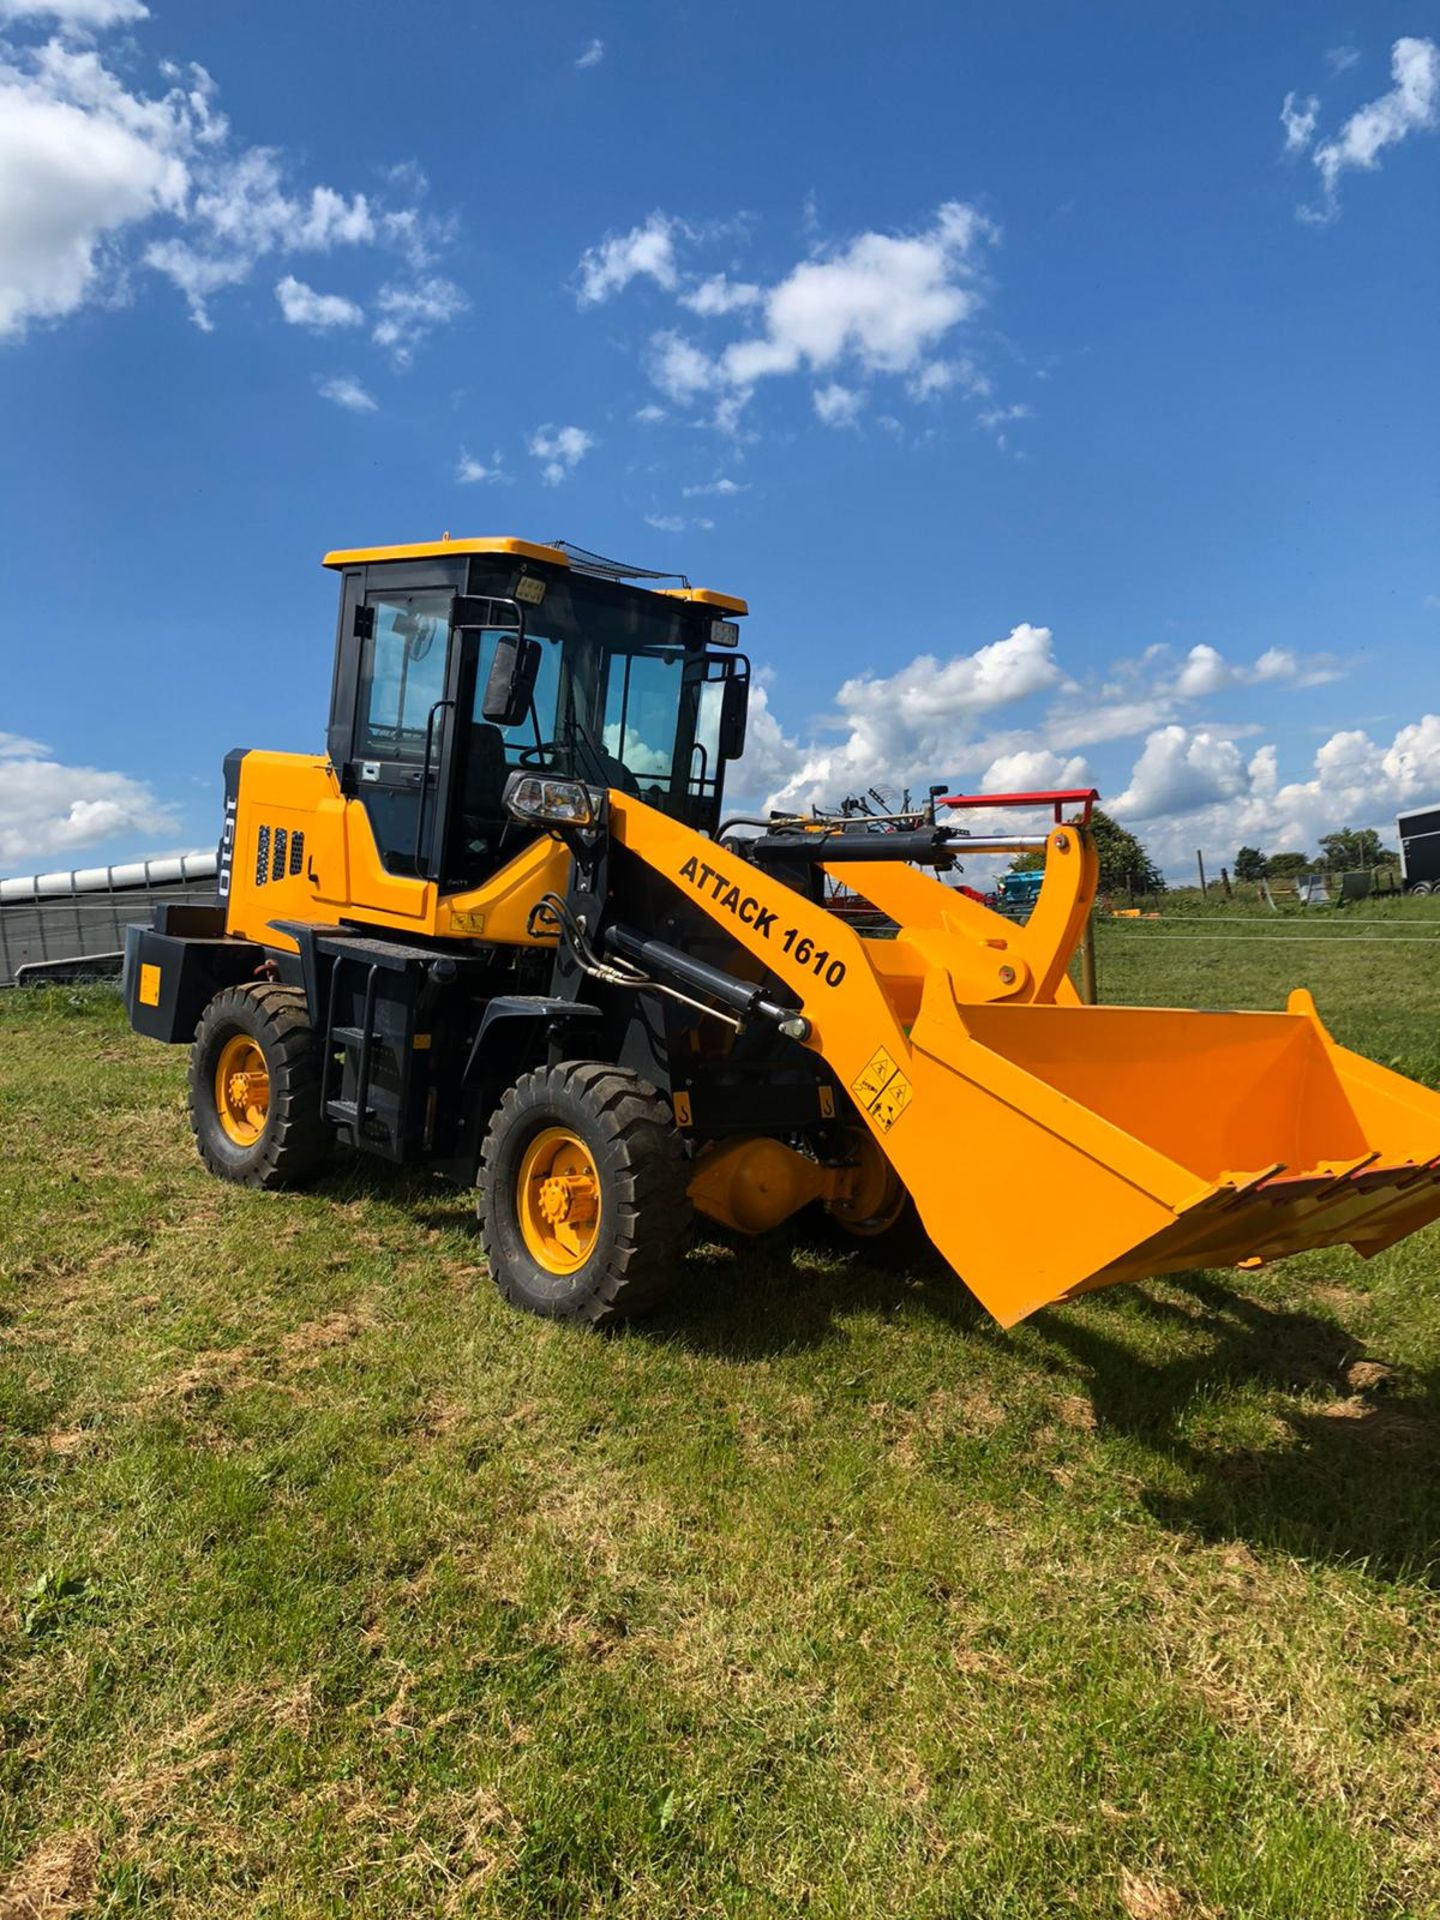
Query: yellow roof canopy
{"type": "Point", "coordinates": [519, 550]}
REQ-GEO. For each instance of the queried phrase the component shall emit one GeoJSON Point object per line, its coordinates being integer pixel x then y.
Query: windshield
{"type": "Point", "coordinates": [620, 700]}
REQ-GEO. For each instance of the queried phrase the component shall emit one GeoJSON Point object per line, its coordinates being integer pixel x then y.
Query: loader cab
{"type": "Point", "coordinates": [459, 662]}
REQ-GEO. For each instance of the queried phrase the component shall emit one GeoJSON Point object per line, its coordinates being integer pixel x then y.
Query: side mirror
{"type": "Point", "coordinates": [511, 685]}
{"type": "Point", "coordinates": [734, 712]}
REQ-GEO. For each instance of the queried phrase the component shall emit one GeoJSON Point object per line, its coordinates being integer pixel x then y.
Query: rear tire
{"type": "Point", "coordinates": [255, 1088]}
{"type": "Point", "coordinates": [582, 1201]}
{"type": "Point", "coordinates": [1422, 886]}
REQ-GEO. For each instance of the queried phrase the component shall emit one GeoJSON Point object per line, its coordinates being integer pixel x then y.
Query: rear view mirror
{"type": "Point", "coordinates": [511, 684]}
{"type": "Point", "coordinates": [734, 711]}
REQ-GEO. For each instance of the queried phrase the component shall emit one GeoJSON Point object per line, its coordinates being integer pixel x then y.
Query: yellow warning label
{"type": "Point", "coordinates": [882, 1090]}
{"type": "Point", "coordinates": [149, 994]}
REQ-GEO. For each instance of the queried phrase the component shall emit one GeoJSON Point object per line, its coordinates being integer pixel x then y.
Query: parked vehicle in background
{"type": "Point", "coordinates": [1020, 891]}
{"type": "Point", "coordinates": [1419, 832]}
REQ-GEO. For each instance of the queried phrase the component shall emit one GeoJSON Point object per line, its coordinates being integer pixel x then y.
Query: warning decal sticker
{"type": "Point", "coordinates": [882, 1090]}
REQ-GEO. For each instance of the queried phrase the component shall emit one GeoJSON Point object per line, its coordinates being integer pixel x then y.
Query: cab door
{"type": "Point", "coordinates": [404, 722]}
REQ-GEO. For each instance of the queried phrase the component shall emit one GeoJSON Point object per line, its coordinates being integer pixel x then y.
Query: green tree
{"type": "Point", "coordinates": [1249, 864]}
{"type": "Point", "coordinates": [1125, 866]}
{"type": "Point", "coordinates": [1351, 848]}
{"type": "Point", "coordinates": [1287, 866]}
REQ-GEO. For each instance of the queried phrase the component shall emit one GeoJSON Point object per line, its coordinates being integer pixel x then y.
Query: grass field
{"type": "Point", "coordinates": [328, 1585]}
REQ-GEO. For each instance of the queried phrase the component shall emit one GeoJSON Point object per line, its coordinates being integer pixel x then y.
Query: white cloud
{"type": "Point", "coordinates": [561, 449]}
{"type": "Point", "coordinates": [1341, 59]}
{"type": "Point", "coordinates": [1191, 783]}
{"type": "Point", "coordinates": [18, 746]}
{"type": "Point", "coordinates": [1114, 715]}
{"type": "Point", "coordinates": [1298, 118]}
{"type": "Point", "coordinates": [1206, 671]}
{"type": "Point", "coordinates": [679, 369]}
{"type": "Point", "coordinates": [915, 725]}
{"type": "Point", "coordinates": [348, 393]}
{"type": "Point", "coordinates": [678, 522]}
{"type": "Point", "coordinates": [469, 471]}
{"type": "Point", "coordinates": [408, 314]}
{"type": "Point", "coordinates": [82, 16]}
{"type": "Point", "coordinates": [647, 251]}
{"type": "Point", "coordinates": [1180, 769]}
{"type": "Point", "coordinates": [878, 305]}
{"type": "Point", "coordinates": [593, 54]}
{"type": "Point", "coordinates": [722, 485]}
{"type": "Point", "coordinates": [651, 415]}
{"type": "Point", "coordinates": [1031, 769]}
{"type": "Point", "coordinates": [883, 301]}
{"type": "Point", "coordinates": [80, 162]}
{"type": "Point", "coordinates": [243, 212]}
{"type": "Point", "coordinates": [995, 419]}
{"type": "Point", "coordinates": [47, 808]}
{"type": "Point", "coordinates": [302, 306]}
{"type": "Point", "coordinates": [838, 406]}
{"type": "Point", "coordinates": [939, 376]}
{"type": "Point", "coordinates": [1192, 787]}
{"type": "Point", "coordinates": [719, 294]}
{"type": "Point", "coordinates": [1411, 106]}
{"type": "Point", "coordinates": [92, 168]}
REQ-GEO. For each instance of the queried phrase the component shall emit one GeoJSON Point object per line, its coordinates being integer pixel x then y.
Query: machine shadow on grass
{"type": "Point", "coordinates": [1353, 1474]}
{"type": "Point", "coordinates": [749, 1300]}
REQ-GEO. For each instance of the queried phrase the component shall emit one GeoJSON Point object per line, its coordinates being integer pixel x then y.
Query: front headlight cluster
{"type": "Point", "coordinates": [547, 802]}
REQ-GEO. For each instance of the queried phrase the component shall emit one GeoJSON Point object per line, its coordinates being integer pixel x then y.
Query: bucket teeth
{"type": "Point", "coordinates": [1367, 1203]}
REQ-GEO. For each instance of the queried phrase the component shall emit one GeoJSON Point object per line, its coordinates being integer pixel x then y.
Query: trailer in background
{"type": "Point", "coordinates": [1419, 832]}
{"type": "Point", "coordinates": [71, 926]}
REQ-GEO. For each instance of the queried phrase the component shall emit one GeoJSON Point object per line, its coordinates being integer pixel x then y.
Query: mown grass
{"type": "Point", "coordinates": [332, 1586]}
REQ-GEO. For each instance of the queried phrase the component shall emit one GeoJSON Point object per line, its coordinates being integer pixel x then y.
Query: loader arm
{"type": "Point", "coordinates": [1142, 1140]}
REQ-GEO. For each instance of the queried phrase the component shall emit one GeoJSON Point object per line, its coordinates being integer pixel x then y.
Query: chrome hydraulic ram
{"type": "Point", "coordinates": [741, 996]}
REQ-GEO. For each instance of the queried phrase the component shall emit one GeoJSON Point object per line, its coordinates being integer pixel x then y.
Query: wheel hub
{"type": "Point", "coordinates": [558, 1200]}
{"type": "Point", "coordinates": [242, 1090]}
{"type": "Point", "coordinates": [570, 1197]}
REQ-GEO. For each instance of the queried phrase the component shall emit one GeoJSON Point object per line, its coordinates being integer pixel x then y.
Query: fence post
{"type": "Point", "coordinates": [1088, 991]}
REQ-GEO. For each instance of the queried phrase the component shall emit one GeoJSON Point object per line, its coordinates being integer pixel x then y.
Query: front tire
{"type": "Point", "coordinates": [255, 1088]}
{"type": "Point", "coordinates": [583, 1208]}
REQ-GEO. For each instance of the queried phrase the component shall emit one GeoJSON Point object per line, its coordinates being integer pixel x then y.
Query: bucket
{"type": "Point", "coordinates": [1118, 1143]}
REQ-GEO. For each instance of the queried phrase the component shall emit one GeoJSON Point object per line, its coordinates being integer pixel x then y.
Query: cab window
{"type": "Point", "coordinates": [642, 714]}
{"type": "Point", "coordinates": [402, 674]}
{"type": "Point", "coordinates": [542, 725]}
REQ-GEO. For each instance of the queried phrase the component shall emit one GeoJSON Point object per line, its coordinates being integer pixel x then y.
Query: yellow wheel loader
{"type": "Point", "coordinates": [501, 927]}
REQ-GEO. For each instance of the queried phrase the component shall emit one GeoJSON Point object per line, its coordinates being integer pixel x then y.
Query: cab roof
{"type": "Point", "coordinates": [446, 548]}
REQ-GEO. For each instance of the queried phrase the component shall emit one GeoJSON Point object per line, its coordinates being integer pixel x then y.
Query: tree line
{"type": "Point", "coordinates": [1347, 851]}
{"type": "Point", "coordinates": [1127, 868]}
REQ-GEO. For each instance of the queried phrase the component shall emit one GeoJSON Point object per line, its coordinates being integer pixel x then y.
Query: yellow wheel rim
{"type": "Point", "coordinates": [559, 1200]}
{"type": "Point", "coordinates": [242, 1090]}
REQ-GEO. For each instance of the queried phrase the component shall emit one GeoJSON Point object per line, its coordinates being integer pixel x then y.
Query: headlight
{"type": "Point", "coordinates": [552, 803]}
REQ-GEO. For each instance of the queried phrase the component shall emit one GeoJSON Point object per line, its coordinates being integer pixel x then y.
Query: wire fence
{"type": "Point", "coordinates": [1146, 935]}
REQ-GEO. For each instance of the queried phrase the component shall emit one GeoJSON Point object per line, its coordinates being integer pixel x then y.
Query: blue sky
{"type": "Point", "coordinates": [1057, 421]}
